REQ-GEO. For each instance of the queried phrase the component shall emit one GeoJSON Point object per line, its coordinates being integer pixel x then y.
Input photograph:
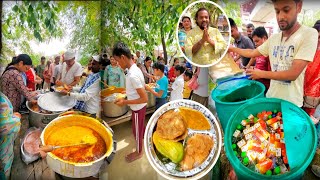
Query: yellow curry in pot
{"type": "Point", "coordinates": [94, 148]}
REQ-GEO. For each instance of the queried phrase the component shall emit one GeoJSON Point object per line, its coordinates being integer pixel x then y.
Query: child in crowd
{"type": "Point", "coordinates": [177, 85]}
{"type": "Point", "coordinates": [161, 90]}
{"type": "Point", "coordinates": [187, 90]}
{"type": "Point", "coordinates": [259, 36]}
{"type": "Point", "coordinates": [171, 74]}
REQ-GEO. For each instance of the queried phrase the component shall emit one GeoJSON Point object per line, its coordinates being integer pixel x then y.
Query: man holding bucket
{"type": "Point", "coordinates": [289, 51]}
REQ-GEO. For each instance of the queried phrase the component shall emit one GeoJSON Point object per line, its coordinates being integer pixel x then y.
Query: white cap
{"type": "Point", "coordinates": [68, 55]}
{"type": "Point", "coordinates": [96, 58]}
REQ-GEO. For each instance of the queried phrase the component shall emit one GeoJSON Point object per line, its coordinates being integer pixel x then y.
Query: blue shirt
{"type": "Point", "coordinates": [162, 86]}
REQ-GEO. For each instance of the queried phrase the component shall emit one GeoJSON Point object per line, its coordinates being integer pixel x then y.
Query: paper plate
{"type": "Point", "coordinates": [55, 102]}
{"type": "Point", "coordinates": [169, 170]}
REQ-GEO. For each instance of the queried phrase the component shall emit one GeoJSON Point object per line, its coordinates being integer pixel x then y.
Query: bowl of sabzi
{"type": "Point", "coordinates": [183, 140]}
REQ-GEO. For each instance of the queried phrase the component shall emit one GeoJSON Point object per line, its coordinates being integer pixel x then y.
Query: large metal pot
{"type": "Point", "coordinates": [151, 100]}
{"type": "Point", "coordinates": [40, 120]}
{"type": "Point", "coordinates": [78, 170]}
{"type": "Point", "coordinates": [109, 108]}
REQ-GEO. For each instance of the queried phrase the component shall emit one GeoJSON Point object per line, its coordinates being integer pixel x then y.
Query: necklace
{"type": "Point", "coordinates": [293, 31]}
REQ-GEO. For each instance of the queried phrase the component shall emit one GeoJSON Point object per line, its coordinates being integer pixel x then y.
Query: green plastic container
{"type": "Point", "coordinates": [229, 96]}
{"type": "Point", "coordinates": [299, 134]}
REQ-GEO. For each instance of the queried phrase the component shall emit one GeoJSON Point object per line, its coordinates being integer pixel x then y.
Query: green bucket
{"type": "Point", "coordinates": [299, 134]}
{"type": "Point", "coordinates": [229, 96]}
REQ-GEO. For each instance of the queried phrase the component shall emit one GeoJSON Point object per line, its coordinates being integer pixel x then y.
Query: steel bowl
{"type": "Point", "coordinates": [79, 170]}
{"type": "Point", "coordinates": [38, 119]}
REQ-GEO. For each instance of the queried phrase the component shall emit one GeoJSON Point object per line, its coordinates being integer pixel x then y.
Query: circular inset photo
{"type": "Point", "coordinates": [182, 140]}
{"type": "Point", "coordinates": [203, 33]}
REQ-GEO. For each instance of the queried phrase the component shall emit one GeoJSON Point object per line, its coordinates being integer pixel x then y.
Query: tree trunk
{"type": "Point", "coordinates": [163, 42]}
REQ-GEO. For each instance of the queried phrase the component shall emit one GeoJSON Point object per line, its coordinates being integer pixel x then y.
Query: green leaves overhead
{"type": "Point", "coordinates": [140, 24]}
{"type": "Point", "coordinates": [37, 17]}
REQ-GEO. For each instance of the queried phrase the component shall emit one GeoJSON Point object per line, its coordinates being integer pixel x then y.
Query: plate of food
{"type": "Point", "coordinates": [152, 85]}
{"type": "Point", "coordinates": [182, 140]}
{"type": "Point", "coordinates": [60, 88]}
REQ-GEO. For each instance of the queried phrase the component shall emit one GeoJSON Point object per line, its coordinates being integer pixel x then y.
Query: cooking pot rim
{"type": "Point", "coordinates": [72, 163]}
{"type": "Point", "coordinates": [53, 112]}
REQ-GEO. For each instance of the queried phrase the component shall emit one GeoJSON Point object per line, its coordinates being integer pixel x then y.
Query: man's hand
{"type": "Point", "coordinates": [255, 73]}
{"type": "Point", "coordinates": [120, 102]}
{"type": "Point", "coordinates": [59, 83]}
{"type": "Point", "coordinates": [231, 49]}
{"type": "Point", "coordinates": [63, 92]}
{"type": "Point", "coordinates": [205, 35]}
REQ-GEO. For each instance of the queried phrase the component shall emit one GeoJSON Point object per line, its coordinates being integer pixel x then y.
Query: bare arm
{"type": "Point", "coordinates": [252, 60]}
{"type": "Point", "coordinates": [250, 53]}
{"type": "Point", "coordinates": [291, 74]}
{"type": "Point", "coordinates": [157, 94]}
{"type": "Point", "coordinates": [75, 81]}
{"type": "Point", "coordinates": [143, 97]}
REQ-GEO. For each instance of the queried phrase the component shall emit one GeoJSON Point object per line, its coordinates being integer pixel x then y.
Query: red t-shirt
{"type": "Point", "coordinates": [312, 77]}
{"type": "Point", "coordinates": [30, 80]}
{"type": "Point", "coordinates": [171, 74]}
{"type": "Point", "coordinates": [263, 63]}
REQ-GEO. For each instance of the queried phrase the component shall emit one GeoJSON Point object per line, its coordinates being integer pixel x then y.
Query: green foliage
{"type": "Point", "coordinates": [308, 19]}
{"type": "Point", "coordinates": [39, 18]}
{"type": "Point", "coordinates": [85, 25]}
{"type": "Point", "coordinates": [214, 11]}
{"type": "Point", "coordinates": [232, 9]}
{"type": "Point", "coordinates": [140, 24]}
{"type": "Point", "coordinates": [23, 21]}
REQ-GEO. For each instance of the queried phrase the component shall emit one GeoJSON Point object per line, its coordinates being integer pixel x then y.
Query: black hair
{"type": "Point", "coordinates": [161, 58]}
{"type": "Point", "coordinates": [179, 68]}
{"type": "Point", "coordinates": [232, 23]}
{"type": "Point", "coordinates": [175, 59]}
{"type": "Point", "coordinates": [317, 26]}
{"type": "Point", "coordinates": [250, 25]}
{"type": "Point", "coordinates": [147, 59]}
{"type": "Point", "coordinates": [188, 73]}
{"type": "Point", "coordinates": [159, 66]}
{"type": "Point", "coordinates": [43, 57]}
{"type": "Point", "coordinates": [184, 17]}
{"type": "Point", "coordinates": [121, 49]}
{"type": "Point", "coordinates": [202, 9]}
{"type": "Point", "coordinates": [260, 32]}
{"type": "Point", "coordinates": [25, 58]}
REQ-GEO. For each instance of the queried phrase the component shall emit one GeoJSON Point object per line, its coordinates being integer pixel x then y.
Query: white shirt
{"type": "Point", "coordinates": [301, 45]}
{"type": "Point", "coordinates": [177, 88]}
{"type": "Point", "coordinates": [57, 71]}
{"type": "Point", "coordinates": [140, 60]}
{"type": "Point", "coordinates": [90, 97]}
{"type": "Point", "coordinates": [67, 77]}
{"type": "Point", "coordinates": [134, 81]}
{"type": "Point", "coordinates": [203, 83]}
